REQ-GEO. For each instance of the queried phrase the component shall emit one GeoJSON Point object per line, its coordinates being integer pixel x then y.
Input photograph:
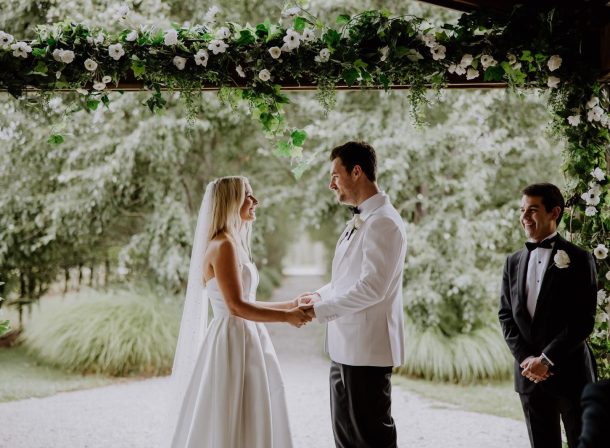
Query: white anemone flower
{"type": "Point", "coordinates": [488, 61]}
{"type": "Point", "coordinates": [132, 36]}
{"type": "Point", "coordinates": [275, 52]}
{"type": "Point", "coordinates": [67, 56]}
{"type": "Point", "coordinates": [590, 211]}
{"type": "Point", "coordinates": [591, 197]}
{"type": "Point", "coordinates": [21, 50]}
{"type": "Point", "coordinates": [600, 252]}
{"type": "Point", "coordinates": [201, 57]}
{"type": "Point", "coordinates": [116, 51]}
{"type": "Point", "coordinates": [472, 74]}
{"type": "Point", "coordinates": [217, 46]}
{"type": "Point", "coordinates": [595, 114]}
{"type": "Point", "coordinates": [223, 33]}
{"type": "Point", "coordinates": [264, 75]}
{"type": "Point", "coordinates": [598, 174]}
{"type": "Point", "coordinates": [324, 55]}
{"type": "Point", "coordinates": [292, 39]}
{"type": "Point", "coordinates": [170, 37]}
{"type": "Point", "coordinates": [308, 35]}
{"type": "Point", "coordinates": [5, 40]}
{"type": "Point", "coordinates": [106, 79]}
{"type": "Point", "coordinates": [438, 52]}
{"type": "Point", "coordinates": [466, 60]}
{"type": "Point", "coordinates": [593, 101]}
{"type": "Point", "coordinates": [574, 120]}
{"type": "Point", "coordinates": [179, 62]}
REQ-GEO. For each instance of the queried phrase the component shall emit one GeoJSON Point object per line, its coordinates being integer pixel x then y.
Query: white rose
{"type": "Point", "coordinates": [90, 65]}
{"type": "Point", "coordinates": [384, 53]}
{"type": "Point", "coordinates": [99, 86]}
{"type": "Point", "coordinates": [179, 62]}
{"type": "Point", "coordinates": [133, 35]}
{"type": "Point", "coordinates": [67, 56]}
{"type": "Point", "coordinates": [324, 55]}
{"type": "Point", "coordinates": [116, 51]}
{"type": "Point", "coordinates": [217, 46]}
{"type": "Point", "coordinates": [553, 81]}
{"type": "Point", "coordinates": [413, 55]}
{"type": "Point", "coordinates": [264, 75]}
{"type": "Point", "coordinates": [170, 37]}
{"type": "Point", "coordinates": [21, 50]}
{"type": "Point", "coordinates": [591, 197]}
{"type": "Point", "coordinates": [472, 74]}
{"type": "Point", "coordinates": [574, 120]}
{"type": "Point", "coordinates": [308, 35]}
{"type": "Point", "coordinates": [240, 71]}
{"type": "Point", "coordinates": [438, 52]}
{"type": "Point", "coordinates": [594, 101]}
{"type": "Point", "coordinates": [466, 60]}
{"type": "Point", "coordinates": [598, 174]}
{"type": "Point", "coordinates": [554, 62]}
{"type": "Point", "coordinates": [106, 79]}
{"type": "Point", "coordinates": [275, 52]}
{"type": "Point", "coordinates": [600, 252]}
{"type": "Point", "coordinates": [223, 33]}
{"type": "Point", "coordinates": [5, 40]}
{"type": "Point", "coordinates": [561, 259]}
{"type": "Point", "coordinates": [201, 58]}
{"type": "Point", "coordinates": [590, 210]}
{"type": "Point", "coordinates": [292, 39]}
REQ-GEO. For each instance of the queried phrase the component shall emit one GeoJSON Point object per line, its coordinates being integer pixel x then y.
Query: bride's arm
{"type": "Point", "coordinates": [226, 269]}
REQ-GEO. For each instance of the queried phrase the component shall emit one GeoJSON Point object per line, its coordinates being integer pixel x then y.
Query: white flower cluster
{"type": "Point", "coordinates": [65, 56]}
{"type": "Point", "coordinates": [464, 67]}
{"type": "Point", "coordinates": [97, 40]}
{"type": "Point", "coordinates": [437, 50]}
{"type": "Point", "coordinates": [592, 196]}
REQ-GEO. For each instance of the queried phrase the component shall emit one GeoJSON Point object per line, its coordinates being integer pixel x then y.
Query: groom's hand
{"type": "Point", "coordinates": [534, 369]}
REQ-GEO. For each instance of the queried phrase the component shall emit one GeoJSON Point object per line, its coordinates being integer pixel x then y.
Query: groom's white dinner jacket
{"type": "Point", "coordinates": [362, 304]}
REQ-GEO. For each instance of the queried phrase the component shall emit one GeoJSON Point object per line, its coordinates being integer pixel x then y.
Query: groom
{"type": "Point", "coordinates": [547, 311]}
{"type": "Point", "coordinates": [362, 304]}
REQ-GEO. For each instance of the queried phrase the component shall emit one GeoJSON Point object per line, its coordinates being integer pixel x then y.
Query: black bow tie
{"type": "Point", "coordinates": [546, 244]}
{"type": "Point", "coordinates": [354, 210]}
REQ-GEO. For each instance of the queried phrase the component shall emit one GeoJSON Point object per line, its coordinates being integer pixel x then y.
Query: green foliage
{"type": "Point", "coordinates": [116, 334]}
{"type": "Point", "coordinates": [466, 358]}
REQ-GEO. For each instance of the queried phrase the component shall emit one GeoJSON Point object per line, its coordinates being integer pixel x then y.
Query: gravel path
{"type": "Point", "coordinates": [130, 415]}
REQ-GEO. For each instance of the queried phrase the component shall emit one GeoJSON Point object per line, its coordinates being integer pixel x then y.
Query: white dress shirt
{"type": "Point", "coordinates": [536, 267]}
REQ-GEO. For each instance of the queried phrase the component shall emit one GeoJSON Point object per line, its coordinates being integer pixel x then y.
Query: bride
{"type": "Point", "coordinates": [226, 382]}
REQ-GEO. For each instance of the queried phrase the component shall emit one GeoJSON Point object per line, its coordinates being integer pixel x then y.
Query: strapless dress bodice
{"type": "Point", "coordinates": [249, 283]}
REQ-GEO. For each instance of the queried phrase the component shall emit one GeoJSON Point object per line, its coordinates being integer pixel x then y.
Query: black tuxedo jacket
{"type": "Point", "coordinates": [596, 416]}
{"type": "Point", "coordinates": [564, 318]}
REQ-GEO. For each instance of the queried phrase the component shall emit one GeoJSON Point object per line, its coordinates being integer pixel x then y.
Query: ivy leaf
{"type": "Point", "coordinates": [343, 19]}
{"type": "Point", "coordinates": [106, 100]}
{"type": "Point", "coordinates": [283, 148]}
{"type": "Point", "coordinates": [494, 73]}
{"type": "Point", "coordinates": [360, 64]}
{"type": "Point", "coordinates": [245, 38]}
{"type": "Point", "coordinates": [385, 81]}
{"type": "Point", "coordinates": [350, 76]}
{"type": "Point", "coordinates": [138, 67]}
{"type": "Point", "coordinates": [261, 30]}
{"type": "Point", "coordinates": [298, 137]}
{"type": "Point", "coordinates": [331, 37]}
{"type": "Point", "coordinates": [526, 56]}
{"type": "Point", "coordinates": [55, 139]}
{"type": "Point", "coordinates": [299, 24]}
{"type": "Point", "coordinates": [92, 104]}
{"type": "Point", "coordinates": [38, 52]}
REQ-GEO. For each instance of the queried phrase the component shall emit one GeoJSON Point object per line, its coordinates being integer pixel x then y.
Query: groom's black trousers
{"type": "Point", "coordinates": [360, 406]}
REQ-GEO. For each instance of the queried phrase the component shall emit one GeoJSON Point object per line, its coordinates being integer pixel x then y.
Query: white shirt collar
{"type": "Point", "coordinates": [372, 203]}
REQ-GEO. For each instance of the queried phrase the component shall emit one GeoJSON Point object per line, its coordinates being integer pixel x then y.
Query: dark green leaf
{"type": "Point", "coordinates": [493, 73]}
{"type": "Point", "coordinates": [92, 104]}
{"type": "Point", "coordinates": [350, 76]}
{"type": "Point", "coordinates": [55, 139]}
{"type": "Point", "coordinates": [138, 67]}
{"type": "Point", "coordinates": [39, 52]}
{"type": "Point", "coordinates": [106, 100]}
{"type": "Point", "coordinates": [299, 24]}
{"type": "Point", "coordinates": [331, 37]}
{"type": "Point", "coordinates": [245, 38]}
{"type": "Point", "coordinates": [298, 137]}
{"type": "Point", "coordinates": [343, 19]}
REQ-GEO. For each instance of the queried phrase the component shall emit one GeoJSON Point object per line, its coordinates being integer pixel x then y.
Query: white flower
{"type": "Point", "coordinates": [429, 40]}
{"type": "Point", "coordinates": [553, 81]}
{"type": "Point", "coordinates": [512, 59]}
{"type": "Point", "coordinates": [591, 197]}
{"type": "Point", "coordinates": [574, 120]}
{"type": "Point", "coordinates": [286, 48]}
{"type": "Point", "coordinates": [217, 46]}
{"type": "Point", "coordinates": [308, 35]}
{"type": "Point", "coordinates": [516, 66]}
{"type": "Point", "coordinates": [291, 12]}
{"type": "Point", "coordinates": [82, 91]}
{"type": "Point", "coordinates": [459, 70]}
{"type": "Point", "coordinates": [99, 86]}
{"type": "Point", "coordinates": [67, 56]}
{"type": "Point", "coordinates": [240, 71]}
{"type": "Point", "coordinates": [275, 52]}
{"type": "Point", "coordinates": [594, 101]}
{"type": "Point", "coordinates": [264, 75]}
{"type": "Point", "coordinates": [116, 51]}
{"type": "Point", "coordinates": [472, 74]}
{"type": "Point", "coordinates": [292, 39]}
{"type": "Point", "coordinates": [438, 52]}
{"type": "Point", "coordinates": [324, 55]}
{"type": "Point", "coordinates": [608, 275]}
{"type": "Point", "coordinates": [451, 68]}
{"type": "Point", "coordinates": [223, 33]}
{"type": "Point", "coordinates": [600, 252]}
{"type": "Point", "coordinates": [598, 174]}
{"type": "Point", "coordinates": [21, 50]}
{"type": "Point", "coordinates": [57, 54]}
{"type": "Point", "coordinates": [121, 12]}
{"type": "Point", "coordinates": [590, 211]}
{"type": "Point", "coordinates": [595, 187]}
{"type": "Point", "coordinates": [466, 60]}
{"type": "Point", "coordinates": [106, 79]}
{"type": "Point", "coordinates": [99, 38]}
{"type": "Point", "coordinates": [554, 62]}
{"type": "Point", "coordinates": [133, 35]}
{"type": "Point", "coordinates": [561, 259]}
{"type": "Point", "coordinates": [601, 297]}
{"type": "Point", "coordinates": [201, 58]}
{"type": "Point", "coordinates": [179, 62]}
{"type": "Point", "coordinates": [5, 39]}
{"type": "Point", "coordinates": [210, 16]}
{"type": "Point", "coordinates": [384, 53]}
{"type": "Point", "coordinates": [413, 55]}
{"type": "Point", "coordinates": [90, 65]}
{"type": "Point", "coordinates": [488, 61]}
{"type": "Point", "coordinates": [595, 113]}
{"type": "Point", "coordinates": [170, 37]}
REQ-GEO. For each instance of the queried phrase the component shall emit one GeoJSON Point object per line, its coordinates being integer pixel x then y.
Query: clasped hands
{"type": "Point", "coordinates": [534, 370]}
{"type": "Point", "coordinates": [302, 311]}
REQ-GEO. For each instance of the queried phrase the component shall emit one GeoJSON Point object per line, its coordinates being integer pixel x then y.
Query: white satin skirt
{"type": "Point", "coordinates": [235, 398]}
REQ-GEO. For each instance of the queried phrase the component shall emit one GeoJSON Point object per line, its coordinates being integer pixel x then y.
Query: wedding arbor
{"type": "Point", "coordinates": [555, 47]}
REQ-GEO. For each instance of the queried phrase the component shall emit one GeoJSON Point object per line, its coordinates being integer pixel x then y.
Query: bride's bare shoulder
{"type": "Point", "coordinates": [221, 245]}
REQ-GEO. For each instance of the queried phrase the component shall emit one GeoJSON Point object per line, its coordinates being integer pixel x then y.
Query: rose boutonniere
{"type": "Point", "coordinates": [354, 224]}
{"type": "Point", "coordinates": [561, 259]}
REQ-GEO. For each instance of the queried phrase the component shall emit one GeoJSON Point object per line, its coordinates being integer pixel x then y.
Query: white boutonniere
{"type": "Point", "coordinates": [561, 259]}
{"type": "Point", "coordinates": [354, 224]}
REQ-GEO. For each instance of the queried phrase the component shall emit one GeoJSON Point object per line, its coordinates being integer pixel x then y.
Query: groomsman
{"type": "Point", "coordinates": [362, 305]}
{"type": "Point", "coordinates": [547, 311]}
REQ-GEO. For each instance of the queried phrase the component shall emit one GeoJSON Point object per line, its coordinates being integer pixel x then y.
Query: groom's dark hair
{"type": "Point", "coordinates": [357, 153]}
{"type": "Point", "coordinates": [550, 194]}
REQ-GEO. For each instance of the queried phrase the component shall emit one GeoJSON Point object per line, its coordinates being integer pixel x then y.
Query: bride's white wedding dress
{"type": "Point", "coordinates": [235, 397]}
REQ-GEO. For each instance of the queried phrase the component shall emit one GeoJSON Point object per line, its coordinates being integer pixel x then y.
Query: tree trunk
{"type": "Point", "coordinates": [80, 276]}
{"type": "Point", "coordinates": [21, 285]}
{"type": "Point", "coordinates": [106, 273]}
{"type": "Point", "coordinates": [66, 280]}
{"type": "Point", "coordinates": [91, 275]}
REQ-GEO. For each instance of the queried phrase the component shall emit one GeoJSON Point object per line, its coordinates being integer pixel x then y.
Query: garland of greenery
{"type": "Point", "coordinates": [526, 48]}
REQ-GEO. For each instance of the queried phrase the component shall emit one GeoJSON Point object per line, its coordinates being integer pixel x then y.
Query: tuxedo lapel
{"type": "Point", "coordinates": [521, 278]}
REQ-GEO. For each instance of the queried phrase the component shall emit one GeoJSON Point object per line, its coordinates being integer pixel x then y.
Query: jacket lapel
{"type": "Point", "coordinates": [521, 281]}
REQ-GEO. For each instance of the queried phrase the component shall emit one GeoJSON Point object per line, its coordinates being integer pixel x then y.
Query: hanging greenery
{"type": "Point", "coordinates": [526, 48]}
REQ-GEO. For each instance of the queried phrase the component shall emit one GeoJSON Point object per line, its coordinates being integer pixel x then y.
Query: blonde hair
{"type": "Point", "coordinates": [228, 196]}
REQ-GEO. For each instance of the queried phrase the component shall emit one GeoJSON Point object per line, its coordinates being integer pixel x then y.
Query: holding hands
{"type": "Point", "coordinates": [534, 369]}
{"type": "Point", "coordinates": [301, 309]}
